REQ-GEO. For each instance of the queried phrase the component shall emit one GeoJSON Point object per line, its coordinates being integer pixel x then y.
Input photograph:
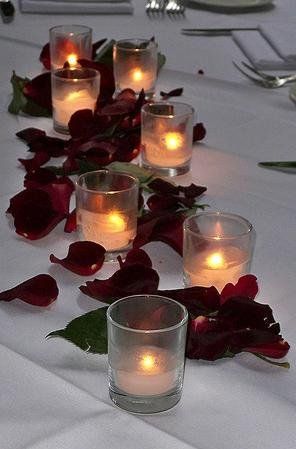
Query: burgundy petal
{"type": "Point", "coordinates": [127, 94]}
{"type": "Point", "coordinates": [167, 228]}
{"type": "Point", "coordinates": [41, 290]}
{"type": "Point", "coordinates": [129, 280]}
{"type": "Point", "coordinates": [135, 256]}
{"type": "Point", "coordinates": [30, 134]}
{"type": "Point", "coordinates": [38, 177]}
{"type": "Point", "coordinates": [163, 187]}
{"type": "Point", "coordinates": [172, 93]}
{"type": "Point", "coordinates": [54, 146]}
{"type": "Point", "coordinates": [44, 57]}
{"type": "Point", "coordinates": [199, 132]}
{"type": "Point", "coordinates": [60, 192]}
{"type": "Point", "coordinates": [107, 79]}
{"type": "Point", "coordinates": [71, 223]}
{"type": "Point", "coordinates": [34, 216]}
{"type": "Point", "coordinates": [82, 124]}
{"type": "Point", "coordinates": [197, 300]}
{"type": "Point", "coordinates": [36, 161]}
{"type": "Point", "coordinates": [39, 90]}
{"type": "Point", "coordinates": [192, 191]}
{"type": "Point", "coordinates": [275, 350]}
{"type": "Point", "coordinates": [84, 258]}
{"type": "Point", "coordinates": [246, 286]}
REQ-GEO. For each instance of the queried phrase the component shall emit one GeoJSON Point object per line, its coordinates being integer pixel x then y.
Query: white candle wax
{"type": "Point", "coordinates": [149, 371]}
{"type": "Point", "coordinates": [73, 101]}
{"type": "Point", "coordinates": [216, 267]}
{"type": "Point", "coordinates": [109, 230]}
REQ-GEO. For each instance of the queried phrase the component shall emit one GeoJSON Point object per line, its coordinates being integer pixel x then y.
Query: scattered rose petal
{"type": "Point", "coordinates": [53, 146]}
{"type": "Point", "coordinates": [30, 134]}
{"type": "Point", "coordinates": [83, 258]}
{"type": "Point", "coordinates": [60, 191]}
{"type": "Point", "coordinates": [172, 93]}
{"type": "Point", "coordinates": [201, 72]}
{"type": "Point", "coordinates": [135, 256]}
{"type": "Point", "coordinates": [199, 132]}
{"type": "Point", "coordinates": [275, 350]}
{"type": "Point", "coordinates": [39, 90]}
{"type": "Point", "coordinates": [41, 290]}
{"type": "Point", "coordinates": [38, 177]}
{"type": "Point", "coordinates": [129, 280]}
{"type": "Point", "coordinates": [36, 161]}
{"type": "Point", "coordinates": [246, 286]}
{"type": "Point", "coordinates": [44, 57]}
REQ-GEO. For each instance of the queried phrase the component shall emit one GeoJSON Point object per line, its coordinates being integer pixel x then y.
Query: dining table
{"type": "Point", "coordinates": [54, 395]}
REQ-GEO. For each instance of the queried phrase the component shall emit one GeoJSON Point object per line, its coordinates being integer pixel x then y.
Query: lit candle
{"type": "Point", "coordinates": [64, 107]}
{"type": "Point", "coordinates": [138, 79]}
{"type": "Point", "coordinates": [110, 230]}
{"type": "Point", "coordinates": [72, 59]}
{"type": "Point", "coordinates": [216, 267]}
{"type": "Point", "coordinates": [147, 371]}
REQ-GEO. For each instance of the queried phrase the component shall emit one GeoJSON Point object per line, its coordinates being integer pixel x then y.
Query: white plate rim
{"type": "Point", "coordinates": [225, 5]}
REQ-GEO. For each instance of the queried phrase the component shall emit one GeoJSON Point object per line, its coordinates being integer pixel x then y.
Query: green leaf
{"type": "Point", "coordinates": [141, 173]}
{"type": "Point", "coordinates": [19, 100]}
{"type": "Point", "coordinates": [286, 166]}
{"type": "Point", "coordinates": [88, 332]}
{"type": "Point", "coordinates": [161, 60]}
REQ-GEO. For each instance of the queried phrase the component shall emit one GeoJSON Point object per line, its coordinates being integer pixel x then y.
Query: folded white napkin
{"type": "Point", "coordinates": [77, 6]}
{"type": "Point", "coordinates": [270, 48]}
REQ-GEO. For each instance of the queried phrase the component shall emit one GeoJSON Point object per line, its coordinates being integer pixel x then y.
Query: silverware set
{"type": "Point", "coordinates": [264, 79]}
{"type": "Point", "coordinates": [174, 7]}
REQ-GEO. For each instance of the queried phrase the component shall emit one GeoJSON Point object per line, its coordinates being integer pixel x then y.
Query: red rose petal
{"type": "Point", "coordinates": [82, 124]}
{"type": "Point", "coordinates": [199, 132]}
{"type": "Point", "coordinates": [246, 286]}
{"type": "Point", "coordinates": [166, 228]}
{"type": "Point", "coordinates": [172, 93]}
{"type": "Point", "coordinates": [135, 256]}
{"type": "Point", "coordinates": [35, 162]}
{"type": "Point", "coordinates": [39, 90]}
{"type": "Point", "coordinates": [53, 146]}
{"type": "Point", "coordinates": [39, 177]}
{"type": "Point", "coordinates": [30, 134]}
{"type": "Point", "coordinates": [60, 192]}
{"type": "Point", "coordinates": [44, 57]}
{"type": "Point", "coordinates": [71, 223]}
{"type": "Point", "coordinates": [40, 290]}
{"type": "Point", "coordinates": [83, 258]}
{"type": "Point", "coordinates": [275, 350]}
{"type": "Point", "coordinates": [107, 87]}
{"type": "Point", "coordinates": [129, 280]}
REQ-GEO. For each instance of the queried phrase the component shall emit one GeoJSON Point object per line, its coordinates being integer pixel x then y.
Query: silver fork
{"type": "Point", "coordinates": [175, 7]}
{"type": "Point", "coordinates": [154, 6]}
{"type": "Point", "coordinates": [268, 83]}
{"type": "Point", "coordinates": [267, 76]}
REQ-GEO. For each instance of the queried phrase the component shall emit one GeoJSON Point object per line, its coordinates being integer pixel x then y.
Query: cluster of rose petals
{"type": "Point", "coordinates": [41, 290]}
{"type": "Point", "coordinates": [220, 325]}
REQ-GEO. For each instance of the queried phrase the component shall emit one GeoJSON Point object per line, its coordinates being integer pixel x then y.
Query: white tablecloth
{"type": "Point", "coordinates": [55, 396]}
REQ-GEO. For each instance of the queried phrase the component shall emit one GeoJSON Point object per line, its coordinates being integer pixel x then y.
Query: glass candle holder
{"type": "Point", "coordinates": [72, 90]}
{"type": "Point", "coordinates": [167, 133]}
{"type": "Point", "coordinates": [68, 43]}
{"type": "Point", "coordinates": [217, 249]}
{"type": "Point", "coordinates": [135, 65]}
{"type": "Point", "coordinates": [107, 208]}
{"type": "Point", "coordinates": [146, 347]}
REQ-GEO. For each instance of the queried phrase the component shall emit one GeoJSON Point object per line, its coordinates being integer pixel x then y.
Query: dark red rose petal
{"type": "Point", "coordinates": [44, 57]}
{"type": "Point", "coordinates": [166, 228]}
{"type": "Point", "coordinates": [135, 256]}
{"type": "Point", "coordinates": [71, 223]}
{"type": "Point", "coordinates": [83, 258]}
{"type": "Point", "coordinates": [39, 177]}
{"type": "Point", "coordinates": [163, 187]}
{"type": "Point", "coordinates": [34, 216]}
{"type": "Point", "coordinates": [40, 290]}
{"type": "Point", "coordinates": [82, 124]}
{"type": "Point", "coordinates": [197, 300]}
{"type": "Point", "coordinates": [107, 87]}
{"type": "Point", "coordinates": [36, 161]}
{"type": "Point", "coordinates": [128, 95]}
{"type": "Point", "coordinates": [60, 192]}
{"type": "Point", "coordinates": [192, 191]}
{"type": "Point", "coordinates": [39, 90]}
{"type": "Point", "coordinates": [30, 134]}
{"type": "Point", "coordinates": [54, 146]}
{"type": "Point", "coordinates": [275, 350]}
{"type": "Point", "coordinates": [129, 280]}
{"type": "Point", "coordinates": [172, 93]}
{"type": "Point", "coordinates": [199, 132]}
{"type": "Point", "coordinates": [246, 286]}
{"type": "Point", "coordinates": [158, 203]}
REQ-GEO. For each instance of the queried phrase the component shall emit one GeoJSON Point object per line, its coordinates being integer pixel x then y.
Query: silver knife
{"type": "Point", "coordinates": [214, 31]}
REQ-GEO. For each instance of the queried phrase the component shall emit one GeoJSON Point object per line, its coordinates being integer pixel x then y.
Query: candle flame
{"type": "Point", "coordinates": [137, 75]}
{"type": "Point", "coordinates": [148, 362]}
{"type": "Point", "coordinates": [72, 59]}
{"type": "Point", "coordinates": [73, 96]}
{"type": "Point", "coordinates": [173, 141]}
{"type": "Point", "coordinates": [216, 261]}
{"type": "Point", "coordinates": [117, 221]}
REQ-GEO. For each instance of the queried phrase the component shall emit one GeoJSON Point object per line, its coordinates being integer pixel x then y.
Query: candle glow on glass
{"type": "Point", "coordinates": [73, 101]}
{"type": "Point", "coordinates": [216, 261]}
{"type": "Point", "coordinates": [72, 59]}
{"type": "Point", "coordinates": [137, 75]}
{"type": "Point", "coordinates": [173, 140]}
